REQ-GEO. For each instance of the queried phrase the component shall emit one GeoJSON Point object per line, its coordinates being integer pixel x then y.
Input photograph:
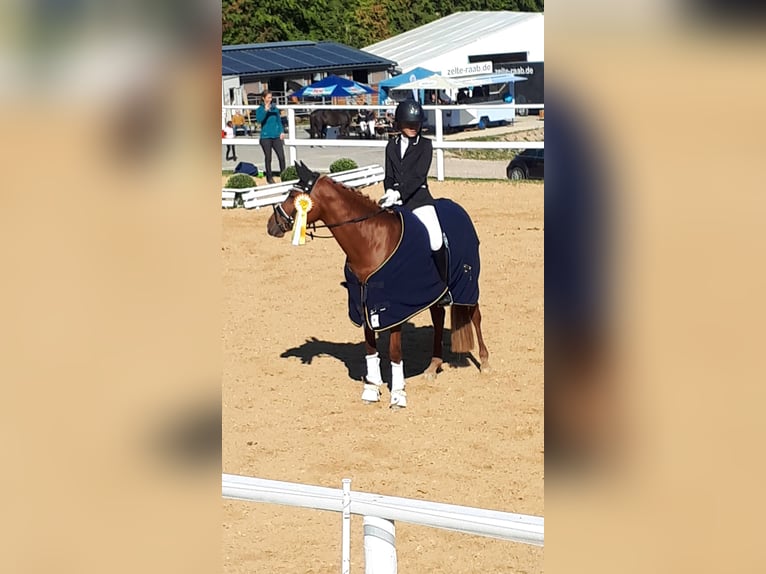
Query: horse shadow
{"type": "Point", "coordinates": [417, 343]}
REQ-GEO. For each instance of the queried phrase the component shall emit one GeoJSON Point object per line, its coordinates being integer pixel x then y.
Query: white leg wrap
{"type": "Point", "coordinates": [373, 369]}
{"type": "Point", "coordinates": [397, 376]}
{"type": "Point", "coordinates": [371, 393]}
{"type": "Point", "coordinates": [398, 396]}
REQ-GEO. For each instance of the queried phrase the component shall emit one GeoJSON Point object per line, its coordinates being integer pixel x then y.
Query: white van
{"type": "Point", "coordinates": [481, 90]}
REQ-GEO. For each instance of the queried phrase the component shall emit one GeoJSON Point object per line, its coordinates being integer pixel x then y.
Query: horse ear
{"type": "Point", "coordinates": [314, 174]}
{"type": "Point", "coordinates": [304, 173]}
{"type": "Point", "coordinates": [306, 176]}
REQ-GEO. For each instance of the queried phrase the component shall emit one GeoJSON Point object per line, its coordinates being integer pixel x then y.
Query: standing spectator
{"type": "Point", "coordinates": [272, 134]}
{"type": "Point", "coordinates": [231, 152]}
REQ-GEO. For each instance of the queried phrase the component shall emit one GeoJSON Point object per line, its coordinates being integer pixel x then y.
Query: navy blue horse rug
{"type": "Point", "coordinates": [408, 282]}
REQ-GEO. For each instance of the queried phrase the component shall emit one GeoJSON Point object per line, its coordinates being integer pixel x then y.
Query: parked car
{"type": "Point", "coordinates": [528, 164]}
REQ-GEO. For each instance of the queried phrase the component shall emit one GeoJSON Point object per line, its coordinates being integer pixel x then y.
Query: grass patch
{"type": "Point", "coordinates": [471, 179]}
{"type": "Point", "coordinates": [491, 180]}
{"type": "Point", "coordinates": [488, 154]}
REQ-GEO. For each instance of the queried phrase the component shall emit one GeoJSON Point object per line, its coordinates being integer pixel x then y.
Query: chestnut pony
{"type": "Point", "coordinates": [368, 235]}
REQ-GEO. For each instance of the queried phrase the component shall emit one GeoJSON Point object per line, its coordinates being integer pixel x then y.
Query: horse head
{"type": "Point", "coordinates": [283, 218]}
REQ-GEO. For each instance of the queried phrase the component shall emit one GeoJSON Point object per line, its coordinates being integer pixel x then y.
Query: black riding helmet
{"type": "Point", "coordinates": [409, 112]}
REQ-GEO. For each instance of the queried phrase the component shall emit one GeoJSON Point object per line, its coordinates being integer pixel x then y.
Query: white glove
{"type": "Point", "coordinates": [391, 197]}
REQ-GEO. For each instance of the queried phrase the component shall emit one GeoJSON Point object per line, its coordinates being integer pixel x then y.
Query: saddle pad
{"type": "Point", "coordinates": [408, 282]}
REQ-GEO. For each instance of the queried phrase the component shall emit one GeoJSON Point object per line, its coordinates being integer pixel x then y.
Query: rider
{"type": "Point", "coordinates": [366, 120]}
{"type": "Point", "coordinates": [408, 159]}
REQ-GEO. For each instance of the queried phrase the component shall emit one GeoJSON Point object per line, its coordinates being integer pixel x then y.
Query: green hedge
{"type": "Point", "coordinates": [289, 174]}
{"type": "Point", "coordinates": [240, 181]}
{"type": "Point", "coordinates": [343, 164]}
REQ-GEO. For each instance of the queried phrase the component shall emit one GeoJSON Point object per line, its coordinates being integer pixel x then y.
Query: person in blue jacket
{"type": "Point", "coordinates": [272, 134]}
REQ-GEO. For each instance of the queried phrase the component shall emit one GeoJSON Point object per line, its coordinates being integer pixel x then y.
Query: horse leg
{"type": "Point", "coordinates": [483, 352]}
{"type": "Point", "coordinates": [313, 125]}
{"type": "Point", "coordinates": [398, 396]}
{"type": "Point", "coordinates": [437, 318]}
{"type": "Point", "coordinates": [372, 381]}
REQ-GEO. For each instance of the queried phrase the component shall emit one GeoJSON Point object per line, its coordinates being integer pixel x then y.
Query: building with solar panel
{"type": "Point", "coordinates": [284, 67]}
{"type": "Point", "coordinates": [461, 44]}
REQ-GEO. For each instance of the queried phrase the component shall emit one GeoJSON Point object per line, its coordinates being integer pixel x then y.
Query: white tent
{"type": "Point", "coordinates": [435, 82]}
{"type": "Point", "coordinates": [452, 40]}
{"type": "Point", "coordinates": [446, 83]}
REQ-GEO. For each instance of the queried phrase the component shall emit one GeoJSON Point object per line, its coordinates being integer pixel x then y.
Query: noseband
{"type": "Point", "coordinates": [284, 221]}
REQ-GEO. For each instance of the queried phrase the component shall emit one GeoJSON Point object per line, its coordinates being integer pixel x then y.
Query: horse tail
{"type": "Point", "coordinates": [462, 330]}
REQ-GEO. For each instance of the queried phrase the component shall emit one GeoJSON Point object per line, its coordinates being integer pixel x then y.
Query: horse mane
{"type": "Point", "coordinates": [363, 199]}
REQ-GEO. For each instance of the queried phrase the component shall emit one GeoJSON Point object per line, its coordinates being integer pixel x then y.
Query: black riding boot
{"type": "Point", "coordinates": [441, 258]}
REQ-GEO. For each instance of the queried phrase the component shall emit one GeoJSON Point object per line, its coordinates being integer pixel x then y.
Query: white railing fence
{"type": "Point", "coordinates": [439, 143]}
{"type": "Point", "coordinates": [381, 512]}
{"type": "Point", "coordinates": [269, 194]}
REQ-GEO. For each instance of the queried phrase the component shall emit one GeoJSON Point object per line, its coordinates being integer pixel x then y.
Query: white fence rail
{"type": "Point", "coordinates": [439, 143]}
{"type": "Point", "coordinates": [468, 520]}
{"type": "Point", "coordinates": [262, 195]}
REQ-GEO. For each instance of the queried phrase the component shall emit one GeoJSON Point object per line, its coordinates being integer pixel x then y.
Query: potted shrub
{"type": "Point", "coordinates": [343, 164]}
{"type": "Point", "coordinates": [240, 181]}
{"type": "Point", "coordinates": [289, 174]}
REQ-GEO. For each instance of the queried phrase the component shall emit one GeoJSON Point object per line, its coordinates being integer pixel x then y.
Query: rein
{"type": "Point", "coordinates": [314, 226]}
{"type": "Point", "coordinates": [286, 222]}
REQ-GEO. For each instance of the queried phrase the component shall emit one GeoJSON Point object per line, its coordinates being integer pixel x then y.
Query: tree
{"type": "Point", "coordinates": [371, 22]}
{"type": "Point", "coordinates": [355, 23]}
{"type": "Point", "coordinates": [446, 7]}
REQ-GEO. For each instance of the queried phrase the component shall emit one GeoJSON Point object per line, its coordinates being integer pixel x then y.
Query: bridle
{"type": "Point", "coordinates": [286, 222]}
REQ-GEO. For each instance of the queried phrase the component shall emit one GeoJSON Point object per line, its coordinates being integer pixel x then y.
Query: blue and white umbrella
{"type": "Point", "coordinates": [334, 87]}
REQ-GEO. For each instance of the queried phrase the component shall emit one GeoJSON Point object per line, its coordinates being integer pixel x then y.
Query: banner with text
{"type": "Point", "coordinates": [471, 69]}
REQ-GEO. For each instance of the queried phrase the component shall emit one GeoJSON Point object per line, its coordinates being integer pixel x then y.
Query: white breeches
{"type": "Point", "coordinates": [367, 127]}
{"type": "Point", "coordinates": [427, 215]}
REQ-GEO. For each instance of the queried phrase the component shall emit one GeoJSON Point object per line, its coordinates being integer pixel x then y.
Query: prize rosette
{"type": "Point", "coordinates": [303, 205]}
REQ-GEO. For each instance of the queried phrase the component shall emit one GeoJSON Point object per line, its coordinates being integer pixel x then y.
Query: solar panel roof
{"type": "Point", "coordinates": [282, 58]}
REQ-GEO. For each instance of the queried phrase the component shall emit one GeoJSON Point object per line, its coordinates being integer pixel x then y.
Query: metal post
{"type": "Point", "coordinates": [292, 134]}
{"type": "Point", "coordinates": [439, 139]}
{"type": "Point", "coordinates": [346, 540]}
{"type": "Point", "coordinates": [379, 546]}
{"type": "Point", "coordinates": [223, 109]}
